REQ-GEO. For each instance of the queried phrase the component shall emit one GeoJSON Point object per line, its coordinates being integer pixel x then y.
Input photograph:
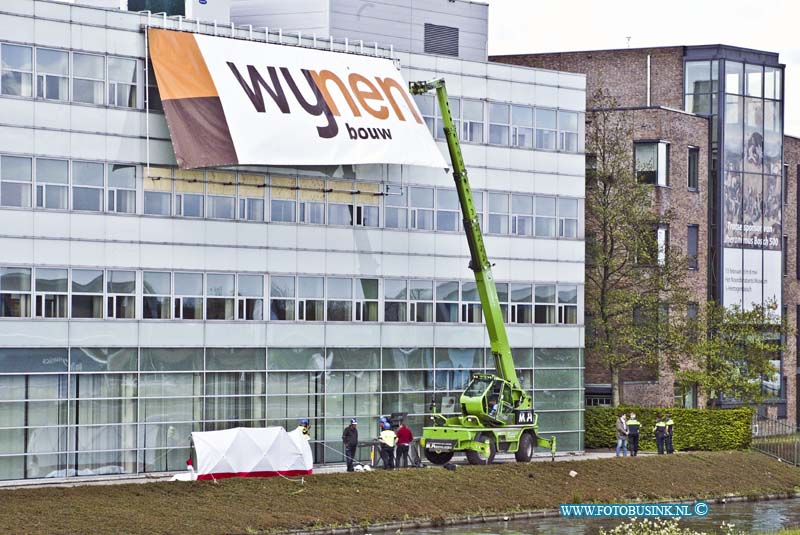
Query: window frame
{"type": "Point", "coordinates": [693, 168]}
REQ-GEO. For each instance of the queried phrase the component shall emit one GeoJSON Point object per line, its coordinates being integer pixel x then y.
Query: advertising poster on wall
{"type": "Point", "coordinates": [751, 204]}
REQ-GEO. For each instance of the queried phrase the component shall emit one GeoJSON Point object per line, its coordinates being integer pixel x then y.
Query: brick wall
{"type": "Point", "coordinates": [791, 284]}
{"type": "Point", "coordinates": [622, 72]}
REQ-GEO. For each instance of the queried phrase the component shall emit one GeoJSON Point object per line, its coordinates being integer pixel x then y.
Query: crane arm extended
{"type": "Point", "coordinates": [479, 260]}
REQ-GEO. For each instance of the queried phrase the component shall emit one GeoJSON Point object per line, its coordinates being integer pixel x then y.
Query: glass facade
{"type": "Point", "coordinates": [100, 411]}
{"type": "Point", "coordinates": [348, 284]}
{"type": "Point", "coordinates": [742, 92]}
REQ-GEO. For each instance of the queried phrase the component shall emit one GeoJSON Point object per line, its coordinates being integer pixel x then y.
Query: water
{"type": "Point", "coordinates": [749, 517]}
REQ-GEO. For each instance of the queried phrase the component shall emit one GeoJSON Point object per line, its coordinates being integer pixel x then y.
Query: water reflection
{"type": "Point", "coordinates": [749, 517]}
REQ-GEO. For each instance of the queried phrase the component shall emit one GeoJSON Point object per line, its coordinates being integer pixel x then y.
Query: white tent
{"type": "Point", "coordinates": [252, 452]}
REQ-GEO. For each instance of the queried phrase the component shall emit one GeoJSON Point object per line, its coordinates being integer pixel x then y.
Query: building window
{"type": "Point", "coordinates": [546, 132]}
{"type": "Point", "coordinates": [522, 308]}
{"type": "Point", "coordinates": [121, 294]}
{"type": "Point", "coordinates": [545, 311]}
{"type": "Point", "coordinates": [368, 205]}
{"type": "Point", "coordinates": [521, 215]}
{"type": "Point", "coordinates": [188, 303]}
{"type": "Point", "coordinates": [522, 127]}
{"type": "Point", "coordinates": [312, 201]}
{"type": "Point", "coordinates": [157, 291]}
{"type": "Point", "coordinates": [498, 123]}
{"type": "Point", "coordinates": [447, 301]}
{"type": "Point", "coordinates": [421, 200]}
{"type": "Point", "coordinates": [701, 79]}
{"type": "Point", "coordinates": [498, 213]}
{"type": "Point", "coordinates": [51, 293]}
{"type": "Point", "coordinates": [545, 217]}
{"type": "Point", "coordinates": [153, 95]}
{"type": "Point", "coordinates": [694, 166]}
{"type": "Point", "coordinates": [785, 255]}
{"type": "Point", "coordinates": [251, 197]}
{"type": "Point", "coordinates": [692, 240]}
{"type": "Point", "coordinates": [87, 293]}
{"type": "Point", "coordinates": [220, 302]}
{"type": "Point", "coordinates": [472, 120]}
{"type": "Point", "coordinates": [251, 297]}
{"type": "Point", "coordinates": [447, 210]}
{"type": "Point", "coordinates": [282, 294]}
{"type": "Point", "coordinates": [470, 303]}
{"type": "Point", "coordinates": [568, 131]}
{"type": "Point", "coordinates": [340, 203]}
{"type": "Point", "coordinates": [189, 190]}
{"type": "Point", "coordinates": [283, 199]}
{"type": "Point", "coordinates": [340, 295]}
{"type": "Point", "coordinates": [785, 184]}
{"type": "Point", "coordinates": [395, 211]}
{"type": "Point", "coordinates": [395, 295]}
{"type": "Point", "coordinates": [455, 113]}
{"type": "Point", "coordinates": [420, 301]}
{"type": "Point", "coordinates": [662, 236]}
{"type": "Point", "coordinates": [366, 299]}
{"type": "Point", "coordinates": [122, 82]}
{"type": "Point", "coordinates": [16, 72]}
{"type": "Point", "coordinates": [122, 188]}
{"type": "Point", "coordinates": [567, 218]}
{"type": "Point", "coordinates": [652, 163]}
{"type": "Point", "coordinates": [15, 181]}
{"type": "Point", "coordinates": [157, 191]}
{"type": "Point", "coordinates": [87, 186]}
{"type": "Point", "coordinates": [568, 305]}
{"type": "Point", "coordinates": [52, 184]}
{"type": "Point", "coordinates": [52, 74]}
{"type": "Point", "coordinates": [691, 319]}
{"type": "Point", "coordinates": [88, 78]}
{"type": "Point", "coordinates": [310, 299]}
{"type": "Point", "coordinates": [15, 292]}
{"type": "Point", "coordinates": [221, 195]}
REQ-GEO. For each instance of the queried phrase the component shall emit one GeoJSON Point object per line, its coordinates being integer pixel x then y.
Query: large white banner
{"type": "Point", "coordinates": [232, 101]}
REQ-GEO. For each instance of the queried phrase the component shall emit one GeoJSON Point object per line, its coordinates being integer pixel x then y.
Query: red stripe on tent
{"type": "Point", "coordinates": [273, 473]}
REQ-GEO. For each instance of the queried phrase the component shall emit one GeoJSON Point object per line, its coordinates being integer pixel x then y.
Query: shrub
{"type": "Point", "coordinates": [695, 429]}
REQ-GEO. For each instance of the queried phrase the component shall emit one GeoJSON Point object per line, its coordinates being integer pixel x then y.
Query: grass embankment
{"type": "Point", "coordinates": [256, 505]}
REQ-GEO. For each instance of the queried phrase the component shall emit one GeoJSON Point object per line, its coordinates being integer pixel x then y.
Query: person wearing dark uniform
{"type": "Point", "coordinates": [633, 434]}
{"type": "Point", "coordinates": [660, 430]}
{"type": "Point", "coordinates": [350, 439]}
{"type": "Point", "coordinates": [669, 425]}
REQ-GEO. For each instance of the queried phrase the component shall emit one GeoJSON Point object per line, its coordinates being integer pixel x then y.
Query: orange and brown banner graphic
{"type": "Point", "coordinates": [230, 101]}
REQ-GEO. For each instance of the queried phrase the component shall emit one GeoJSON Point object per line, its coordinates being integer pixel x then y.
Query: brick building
{"type": "Point", "coordinates": [715, 116]}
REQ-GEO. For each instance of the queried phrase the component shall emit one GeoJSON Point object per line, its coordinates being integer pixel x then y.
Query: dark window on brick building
{"type": "Point", "coordinates": [694, 167]}
{"type": "Point", "coordinates": [692, 238]}
{"type": "Point", "coordinates": [785, 255]}
{"type": "Point", "coordinates": [785, 184]}
{"type": "Point", "coordinates": [691, 321]}
{"type": "Point", "coordinates": [651, 162]}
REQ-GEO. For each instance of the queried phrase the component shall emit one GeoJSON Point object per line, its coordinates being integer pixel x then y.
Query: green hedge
{"type": "Point", "coordinates": [695, 429]}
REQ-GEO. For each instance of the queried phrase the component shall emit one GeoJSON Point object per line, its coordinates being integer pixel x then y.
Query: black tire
{"type": "Point", "coordinates": [476, 458]}
{"type": "Point", "coordinates": [441, 457]}
{"type": "Point", "coordinates": [525, 451]}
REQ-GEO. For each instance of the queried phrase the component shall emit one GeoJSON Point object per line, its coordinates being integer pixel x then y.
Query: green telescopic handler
{"type": "Point", "coordinates": [496, 412]}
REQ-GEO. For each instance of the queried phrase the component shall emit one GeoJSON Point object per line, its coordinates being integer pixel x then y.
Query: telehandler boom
{"type": "Point", "coordinates": [496, 412]}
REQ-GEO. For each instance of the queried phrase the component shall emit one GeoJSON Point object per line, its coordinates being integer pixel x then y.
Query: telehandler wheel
{"type": "Point", "coordinates": [442, 457]}
{"type": "Point", "coordinates": [525, 451]}
{"type": "Point", "coordinates": [476, 458]}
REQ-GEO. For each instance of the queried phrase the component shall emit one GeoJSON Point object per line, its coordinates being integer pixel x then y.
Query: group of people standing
{"type": "Point", "coordinates": [394, 445]}
{"type": "Point", "coordinates": [628, 429]}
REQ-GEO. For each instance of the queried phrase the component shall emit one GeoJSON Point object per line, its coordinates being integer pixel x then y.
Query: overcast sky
{"type": "Point", "coordinates": [519, 26]}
